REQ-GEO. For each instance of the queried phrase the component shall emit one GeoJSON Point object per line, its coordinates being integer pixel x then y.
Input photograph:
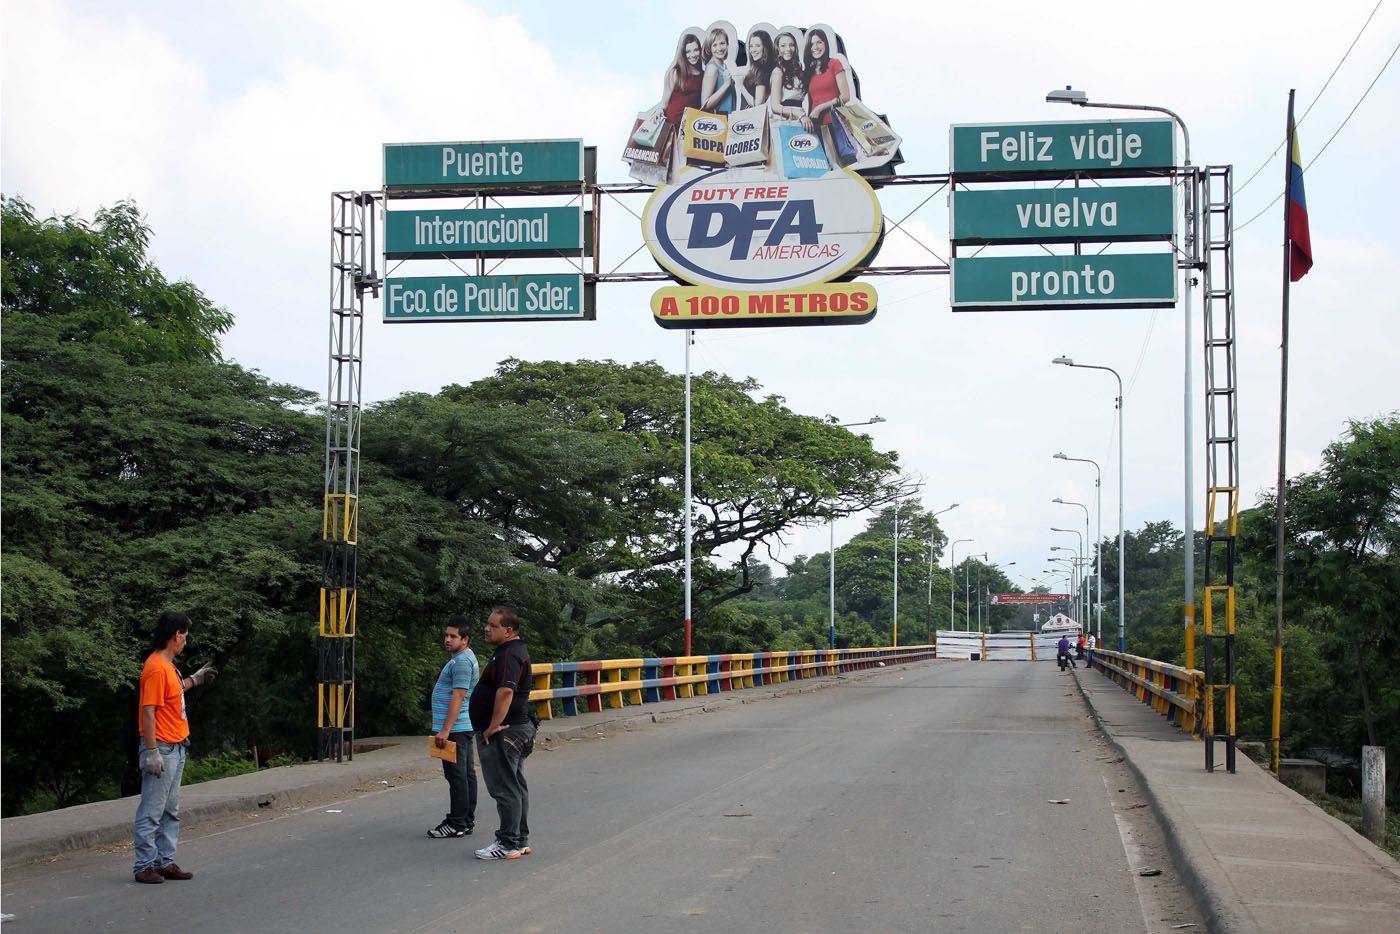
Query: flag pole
{"type": "Point", "coordinates": [1282, 441]}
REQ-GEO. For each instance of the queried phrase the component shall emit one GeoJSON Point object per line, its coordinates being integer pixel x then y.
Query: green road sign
{"type": "Point", "coordinates": [1008, 283]}
{"type": "Point", "coordinates": [1028, 150]}
{"type": "Point", "coordinates": [505, 164]}
{"type": "Point", "coordinates": [488, 298]}
{"type": "Point", "coordinates": [484, 232]}
{"type": "Point", "coordinates": [1057, 215]}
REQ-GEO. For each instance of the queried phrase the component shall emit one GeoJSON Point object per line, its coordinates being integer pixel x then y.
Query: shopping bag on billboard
{"type": "Point", "coordinates": [704, 137]}
{"type": "Point", "coordinates": [840, 149]}
{"type": "Point", "coordinates": [657, 155]}
{"type": "Point", "coordinates": [650, 125]}
{"type": "Point", "coordinates": [747, 140]}
{"type": "Point", "coordinates": [802, 154]}
{"type": "Point", "coordinates": [872, 134]}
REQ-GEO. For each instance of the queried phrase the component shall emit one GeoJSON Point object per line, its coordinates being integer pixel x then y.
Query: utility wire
{"type": "Point", "coordinates": [1316, 96]}
{"type": "Point", "coordinates": [1330, 138]}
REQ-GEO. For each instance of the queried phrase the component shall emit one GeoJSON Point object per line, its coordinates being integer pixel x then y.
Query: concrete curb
{"type": "Point", "coordinates": [108, 823]}
{"type": "Point", "coordinates": [1199, 869]}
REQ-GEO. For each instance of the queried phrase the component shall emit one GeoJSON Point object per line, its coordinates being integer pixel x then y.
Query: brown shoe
{"type": "Point", "coordinates": [149, 876]}
{"type": "Point", "coordinates": [172, 871]}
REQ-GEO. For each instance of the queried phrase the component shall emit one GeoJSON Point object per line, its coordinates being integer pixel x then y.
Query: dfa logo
{"type": "Point", "coordinates": [706, 126]}
{"type": "Point", "coordinates": [803, 143]}
{"type": "Point", "coordinates": [743, 127]}
{"type": "Point", "coordinates": [742, 230]}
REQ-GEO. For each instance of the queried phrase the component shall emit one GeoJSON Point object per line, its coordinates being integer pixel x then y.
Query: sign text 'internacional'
{"type": "Point", "coordinates": [542, 231]}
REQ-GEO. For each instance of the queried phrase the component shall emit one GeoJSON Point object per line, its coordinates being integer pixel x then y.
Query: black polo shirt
{"type": "Point", "coordinates": [509, 667]}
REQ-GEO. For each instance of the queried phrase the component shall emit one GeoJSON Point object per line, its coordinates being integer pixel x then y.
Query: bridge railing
{"type": "Point", "coordinates": [1172, 691]}
{"type": "Point", "coordinates": [620, 682]}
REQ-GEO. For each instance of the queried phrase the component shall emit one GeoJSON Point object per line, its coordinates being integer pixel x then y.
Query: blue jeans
{"type": "Point", "coordinates": [158, 814]}
{"type": "Point", "coordinates": [461, 783]}
{"type": "Point", "coordinates": [500, 767]}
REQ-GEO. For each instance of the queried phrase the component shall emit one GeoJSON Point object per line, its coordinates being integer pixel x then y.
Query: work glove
{"type": "Point", "coordinates": [151, 762]}
{"type": "Point", "coordinates": [204, 675]}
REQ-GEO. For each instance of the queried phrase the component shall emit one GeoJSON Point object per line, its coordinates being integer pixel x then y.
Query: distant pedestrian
{"type": "Point", "coordinates": [1079, 648]}
{"type": "Point", "coordinates": [505, 733]}
{"type": "Point", "coordinates": [165, 740]}
{"type": "Point", "coordinates": [1092, 644]}
{"type": "Point", "coordinates": [452, 724]}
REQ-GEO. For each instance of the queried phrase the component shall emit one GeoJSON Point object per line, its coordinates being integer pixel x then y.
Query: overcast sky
{"type": "Point", "coordinates": [231, 124]}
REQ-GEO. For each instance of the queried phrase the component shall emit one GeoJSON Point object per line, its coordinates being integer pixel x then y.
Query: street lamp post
{"type": "Point", "coordinates": [1073, 577]}
{"type": "Point", "coordinates": [930, 573]}
{"type": "Point", "coordinates": [1122, 557]}
{"type": "Point", "coordinates": [831, 529]}
{"type": "Point", "coordinates": [1087, 611]}
{"type": "Point", "coordinates": [1098, 537]}
{"type": "Point", "coordinates": [1080, 536]}
{"type": "Point", "coordinates": [967, 585]}
{"type": "Point", "coordinates": [981, 596]}
{"type": "Point", "coordinates": [952, 552]}
{"type": "Point", "coordinates": [1081, 99]}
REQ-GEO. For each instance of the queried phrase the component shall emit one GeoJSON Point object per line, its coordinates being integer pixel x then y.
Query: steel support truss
{"type": "Point", "coordinates": [1222, 457]}
{"type": "Point", "coordinates": [352, 274]}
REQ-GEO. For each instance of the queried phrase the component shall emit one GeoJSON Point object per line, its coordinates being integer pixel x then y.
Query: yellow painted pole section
{"type": "Point", "coordinates": [1190, 623]}
{"type": "Point", "coordinates": [1230, 630]}
{"type": "Point", "coordinates": [1278, 706]}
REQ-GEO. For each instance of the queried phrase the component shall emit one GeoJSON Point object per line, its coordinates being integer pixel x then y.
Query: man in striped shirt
{"type": "Point", "coordinates": [451, 723]}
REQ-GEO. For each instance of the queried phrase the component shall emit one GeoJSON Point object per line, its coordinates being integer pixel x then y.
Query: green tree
{"type": "Point", "coordinates": [579, 466]}
{"type": "Point", "coordinates": [1342, 575]}
{"type": "Point", "coordinates": [140, 473]}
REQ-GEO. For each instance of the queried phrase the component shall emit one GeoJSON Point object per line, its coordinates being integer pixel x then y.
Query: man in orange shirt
{"type": "Point", "coordinates": [165, 738]}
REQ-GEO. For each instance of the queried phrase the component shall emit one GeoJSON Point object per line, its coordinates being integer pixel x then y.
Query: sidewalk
{"type": "Point", "coordinates": [398, 760]}
{"type": "Point", "coordinates": [1259, 856]}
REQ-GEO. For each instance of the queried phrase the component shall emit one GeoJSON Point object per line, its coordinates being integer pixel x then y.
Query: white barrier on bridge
{"type": "Point", "coordinates": [997, 646]}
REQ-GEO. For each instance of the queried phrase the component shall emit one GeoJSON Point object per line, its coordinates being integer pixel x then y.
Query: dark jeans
{"type": "Point", "coordinates": [501, 768]}
{"type": "Point", "coordinates": [461, 783]}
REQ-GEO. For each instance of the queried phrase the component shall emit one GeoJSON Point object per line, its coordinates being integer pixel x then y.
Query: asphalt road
{"type": "Point", "coordinates": [919, 801]}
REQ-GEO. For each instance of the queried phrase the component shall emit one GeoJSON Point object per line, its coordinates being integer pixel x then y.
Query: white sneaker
{"type": "Point", "coordinates": [498, 850]}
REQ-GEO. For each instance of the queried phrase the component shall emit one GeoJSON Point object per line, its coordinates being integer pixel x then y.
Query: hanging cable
{"type": "Point", "coordinates": [1330, 137]}
{"type": "Point", "coordinates": [1317, 96]}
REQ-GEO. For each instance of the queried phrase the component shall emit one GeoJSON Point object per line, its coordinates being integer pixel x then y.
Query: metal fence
{"type": "Point", "coordinates": [1172, 691]}
{"type": "Point", "coordinates": [620, 682]}
{"type": "Point", "coordinates": [997, 646]}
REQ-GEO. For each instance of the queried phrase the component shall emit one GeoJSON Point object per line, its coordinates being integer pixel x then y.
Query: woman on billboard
{"type": "Point", "coordinates": [683, 79]}
{"type": "Point", "coordinates": [828, 84]}
{"type": "Point", "coordinates": [717, 94]}
{"type": "Point", "coordinates": [761, 61]}
{"type": "Point", "coordinates": [786, 87]}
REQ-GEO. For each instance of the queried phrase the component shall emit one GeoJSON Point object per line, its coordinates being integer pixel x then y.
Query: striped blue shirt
{"type": "Point", "coordinates": [461, 672]}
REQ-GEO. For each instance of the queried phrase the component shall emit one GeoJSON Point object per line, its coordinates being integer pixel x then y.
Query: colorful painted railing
{"type": "Point", "coordinates": [1170, 690]}
{"type": "Point", "coordinates": [619, 682]}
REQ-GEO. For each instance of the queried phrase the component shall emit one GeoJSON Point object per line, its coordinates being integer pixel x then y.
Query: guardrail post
{"type": "Point", "coordinates": [651, 671]}
{"type": "Point", "coordinates": [614, 675]}
{"type": "Point", "coordinates": [595, 702]}
{"type": "Point", "coordinates": [570, 703]}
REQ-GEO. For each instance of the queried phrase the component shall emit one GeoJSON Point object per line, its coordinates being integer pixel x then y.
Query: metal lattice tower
{"type": "Point", "coordinates": [352, 273]}
{"type": "Point", "coordinates": [1222, 453]}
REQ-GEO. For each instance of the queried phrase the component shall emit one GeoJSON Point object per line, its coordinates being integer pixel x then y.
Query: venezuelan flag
{"type": "Point", "coordinates": [1299, 242]}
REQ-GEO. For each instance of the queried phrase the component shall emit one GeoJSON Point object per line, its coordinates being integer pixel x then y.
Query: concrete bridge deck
{"type": "Point", "coordinates": [913, 797]}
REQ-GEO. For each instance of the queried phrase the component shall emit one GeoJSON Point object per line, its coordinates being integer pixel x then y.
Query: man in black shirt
{"type": "Point", "coordinates": [505, 734]}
